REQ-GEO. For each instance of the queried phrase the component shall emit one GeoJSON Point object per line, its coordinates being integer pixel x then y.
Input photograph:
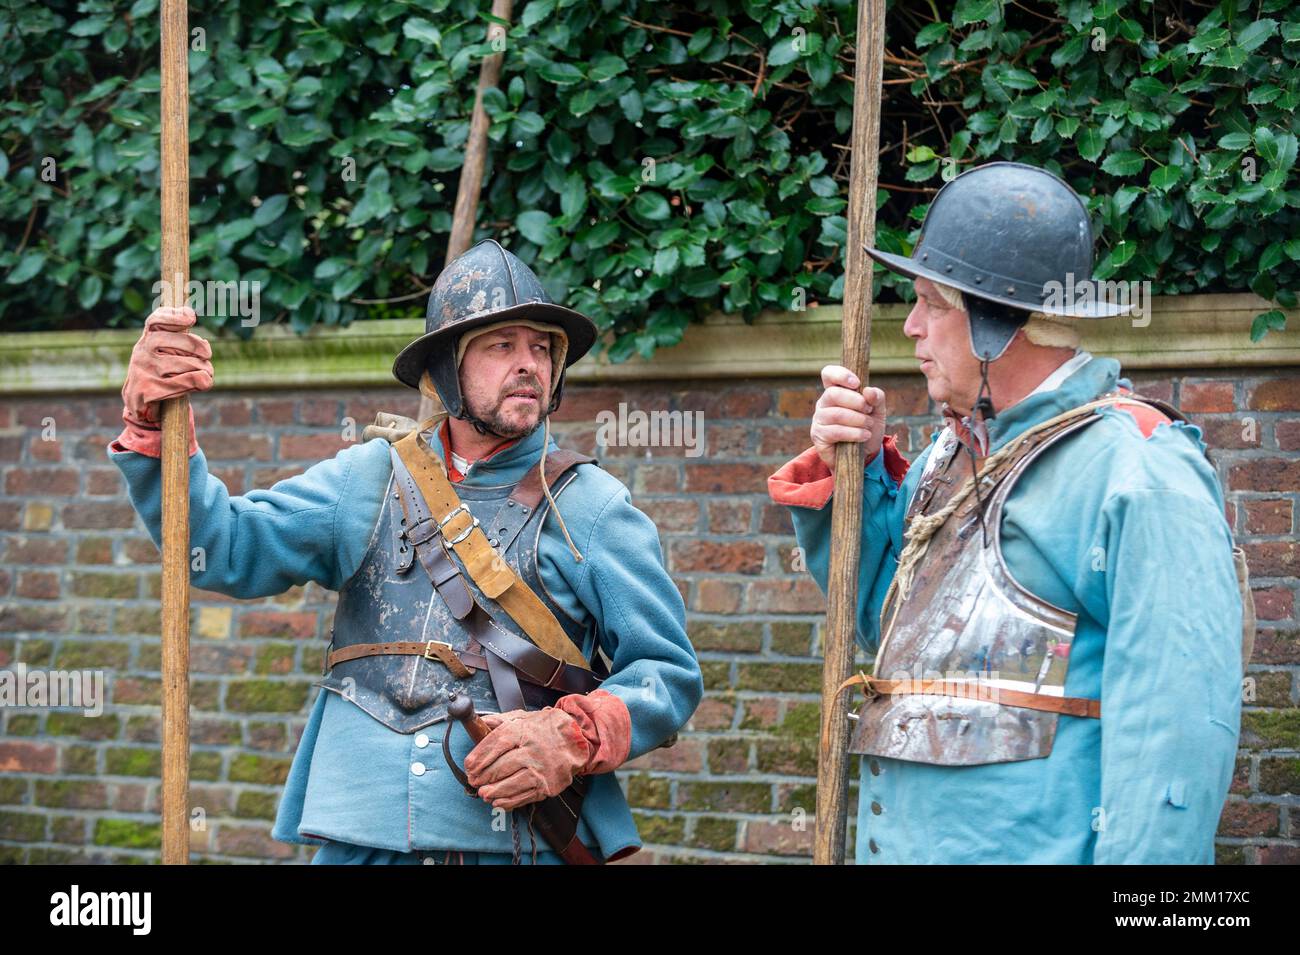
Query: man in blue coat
{"type": "Point", "coordinates": [474, 560]}
{"type": "Point", "coordinates": [1058, 643]}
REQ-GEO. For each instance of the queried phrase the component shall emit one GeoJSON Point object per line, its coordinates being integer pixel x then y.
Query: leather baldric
{"type": "Point", "coordinates": [446, 515]}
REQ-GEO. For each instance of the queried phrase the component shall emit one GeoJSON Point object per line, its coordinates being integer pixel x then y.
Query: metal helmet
{"type": "Point", "coordinates": [486, 285]}
{"type": "Point", "coordinates": [1014, 239]}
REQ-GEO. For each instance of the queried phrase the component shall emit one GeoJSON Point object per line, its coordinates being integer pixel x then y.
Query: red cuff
{"type": "Point", "coordinates": [807, 482]}
{"type": "Point", "coordinates": [148, 441]}
{"type": "Point", "coordinates": [606, 724]}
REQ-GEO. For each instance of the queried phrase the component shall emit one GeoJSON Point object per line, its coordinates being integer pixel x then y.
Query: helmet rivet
{"type": "Point", "coordinates": [925, 255]}
{"type": "Point", "coordinates": [978, 280]}
{"type": "Point", "coordinates": [1011, 290]}
{"type": "Point", "coordinates": [947, 268]}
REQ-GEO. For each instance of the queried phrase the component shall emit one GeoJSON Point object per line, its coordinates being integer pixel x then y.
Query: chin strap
{"type": "Point", "coordinates": [981, 414]}
{"type": "Point", "coordinates": [546, 489]}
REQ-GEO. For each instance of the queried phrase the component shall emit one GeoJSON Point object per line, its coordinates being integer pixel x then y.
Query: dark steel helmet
{"type": "Point", "coordinates": [1013, 238]}
{"type": "Point", "coordinates": [485, 286]}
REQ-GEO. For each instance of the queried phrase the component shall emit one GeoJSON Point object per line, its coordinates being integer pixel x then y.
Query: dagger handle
{"type": "Point", "coordinates": [461, 709]}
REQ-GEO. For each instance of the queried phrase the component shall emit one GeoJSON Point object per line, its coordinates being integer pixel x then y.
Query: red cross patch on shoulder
{"type": "Point", "coordinates": [1146, 416]}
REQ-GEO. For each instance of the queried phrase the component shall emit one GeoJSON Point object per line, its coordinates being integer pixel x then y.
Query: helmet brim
{"type": "Point", "coordinates": [412, 360]}
{"type": "Point", "coordinates": [911, 268]}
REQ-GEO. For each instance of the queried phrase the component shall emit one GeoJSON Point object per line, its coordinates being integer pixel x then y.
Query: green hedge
{"type": "Point", "coordinates": [744, 108]}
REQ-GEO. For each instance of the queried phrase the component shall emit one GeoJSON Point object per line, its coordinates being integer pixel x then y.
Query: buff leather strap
{"type": "Point", "coordinates": [490, 572]}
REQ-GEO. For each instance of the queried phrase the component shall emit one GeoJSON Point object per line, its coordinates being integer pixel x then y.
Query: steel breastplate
{"type": "Point", "coordinates": [967, 619]}
{"type": "Point", "coordinates": [391, 598]}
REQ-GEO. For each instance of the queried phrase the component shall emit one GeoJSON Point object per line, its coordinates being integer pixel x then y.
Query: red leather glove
{"type": "Point", "coordinates": [533, 754]}
{"type": "Point", "coordinates": [166, 362]}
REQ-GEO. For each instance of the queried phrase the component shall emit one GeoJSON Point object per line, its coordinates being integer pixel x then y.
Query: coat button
{"type": "Point", "coordinates": [871, 844]}
{"type": "Point", "coordinates": [422, 740]}
{"type": "Point", "coordinates": [417, 769]}
{"type": "Point", "coordinates": [875, 768]}
{"type": "Point", "coordinates": [876, 808]}
{"type": "Point", "coordinates": [428, 860]}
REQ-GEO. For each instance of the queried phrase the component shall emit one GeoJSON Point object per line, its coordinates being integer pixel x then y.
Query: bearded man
{"type": "Point", "coordinates": [1050, 590]}
{"type": "Point", "coordinates": [475, 561]}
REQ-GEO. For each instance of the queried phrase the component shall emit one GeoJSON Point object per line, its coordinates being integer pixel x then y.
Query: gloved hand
{"type": "Point", "coordinates": [533, 754]}
{"type": "Point", "coordinates": [166, 362]}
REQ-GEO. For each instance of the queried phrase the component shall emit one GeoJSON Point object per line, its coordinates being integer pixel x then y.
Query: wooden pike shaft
{"type": "Point", "coordinates": [471, 171]}
{"type": "Point", "coordinates": [174, 415]}
{"type": "Point", "coordinates": [846, 517]}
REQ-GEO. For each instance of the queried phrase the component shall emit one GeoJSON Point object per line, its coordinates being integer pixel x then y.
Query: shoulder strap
{"type": "Point", "coordinates": [490, 573]}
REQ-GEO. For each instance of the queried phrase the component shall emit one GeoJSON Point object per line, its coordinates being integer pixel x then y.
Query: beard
{"type": "Point", "coordinates": [498, 421]}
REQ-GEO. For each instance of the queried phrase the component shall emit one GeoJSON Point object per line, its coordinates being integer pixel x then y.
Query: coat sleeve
{"type": "Point", "coordinates": [1171, 678]}
{"type": "Point", "coordinates": [640, 620]}
{"type": "Point", "coordinates": [266, 541]}
{"type": "Point", "coordinates": [805, 485]}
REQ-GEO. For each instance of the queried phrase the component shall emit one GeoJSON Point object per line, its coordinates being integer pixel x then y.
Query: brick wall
{"type": "Point", "coordinates": [79, 583]}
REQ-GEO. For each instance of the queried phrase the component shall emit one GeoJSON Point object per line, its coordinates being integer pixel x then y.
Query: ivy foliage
{"type": "Point", "coordinates": [652, 161]}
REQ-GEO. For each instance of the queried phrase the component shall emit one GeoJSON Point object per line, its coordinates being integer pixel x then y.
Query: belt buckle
{"type": "Point", "coordinates": [428, 649]}
{"type": "Point", "coordinates": [463, 534]}
{"type": "Point", "coordinates": [868, 690]}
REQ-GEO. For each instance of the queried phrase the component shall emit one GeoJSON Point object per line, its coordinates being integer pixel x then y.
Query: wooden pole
{"type": "Point", "coordinates": [471, 171]}
{"type": "Point", "coordinates": [174, 414]}
{"type": "Point", "coordinates": [846, 517]}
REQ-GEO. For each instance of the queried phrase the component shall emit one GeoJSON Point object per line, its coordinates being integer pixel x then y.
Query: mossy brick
{"type": "Point", "coordinates": [144, 729]}
{"type": "Point", "coordinates": [649, 792]}
{"type": "Point", "coordinates": [12, 855]}
{"type": "Point", "coordinates": [137, 691]}
{"type": "Point", "coordinates": [71, 794]}
{"type": "Point", "coordinates": [803, 796]}
{"type": "Point", "coordinates": [215, 733]}
{"type": "Point", "coordinates": [1271, 729]}
{"type": "Point", "coordinates": [23, 724]}
{"type": "Point", "coordinates": [128, 834]}
{"type": "Point", "coordinates": [150, 657]}
{"type": "Point", "coordinates": [724, 797]}
{"type": "Point", "coordinates": [266, 696]}
{"type": "Point", "coordinates": [267, 736]}
{"type": "Point", "coordinates": [70, 829]}
{"type": "Point", "coordinates": [205, 695]}
{"type": "Point", "coordinates": [759, 714]}
{"type": "Point", "coordinates": [727, 637]}
{"type": "Point", "coordinates": [1229, 854]}
{"type": "Point", "coordinates": [63, 723]}
{"type": "Point", "coordinates": [717, 674]}
{"type": "Point", "coordinates": [93, 655]}
{"type": "Point", "coordinates": [802, 721]}
{"type": "Point", "coordinates": [268, 770]}
{"type": "Point", "coordinates": [256, 805]}
{"type": "Point", "coordinates": [39, 855]}
{"type": "Point", "coordinates": [663, 830]}
{"type": "Point", "coordinates": [35, 653]}
{"type": "Point", "coordinates": [728, 755]}
{"type": "Point", "coordinates": [22, 826]}
{"type": "Point", "coordinates": [132, 761]}
{"type": "Point", "coordinates": [80, 760]}
{"type": "Point", "coordinates": [714, 833]}
{"type": "Point", "coordinates": [13, 792]}
{"type": "Point", "coordinates": [146, 620]}
{"type": "Point", "coordinates": [780, 677]}
{"type": "Point", "coordinates": [792, 639]}
{"type": "Point", "coordinates": [95, 550]}
{"type": "Point", "coordinates": [1272, 688]}
{"type": "Point", "coordinates": [275, 658]}
{"type": "Point", "coordinates": [93, 619]}
{"type": "Point", "coordinates": [105, 586]}
{"type": "Point", "coordinates": [205, 766]}
{"type": "Point", "coordinates": [1279, 776]}
{"type": "Point", "coordinates": [787, 757]}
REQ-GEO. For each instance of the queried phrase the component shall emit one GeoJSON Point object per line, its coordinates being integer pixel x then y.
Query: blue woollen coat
{"type": "Point", "coordinates": [352, 779]}
{"type": "Point", "coordinates": [1127, 531]}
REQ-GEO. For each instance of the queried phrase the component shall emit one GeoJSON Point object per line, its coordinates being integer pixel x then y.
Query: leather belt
{"type": "Point", "coordinates": [981, 692]}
